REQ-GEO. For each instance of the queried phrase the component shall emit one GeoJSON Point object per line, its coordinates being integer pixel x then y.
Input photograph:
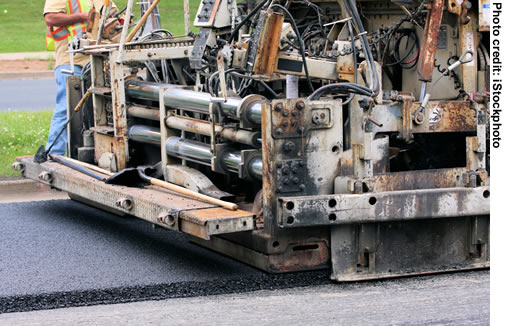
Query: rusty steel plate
{"type": "Point", "coordinates": [386, 206]}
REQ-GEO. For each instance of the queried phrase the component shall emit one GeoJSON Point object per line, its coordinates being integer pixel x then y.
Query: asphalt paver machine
{"type": "Point", "coordinates": [291, 135]}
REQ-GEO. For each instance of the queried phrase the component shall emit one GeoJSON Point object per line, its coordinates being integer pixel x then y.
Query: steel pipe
{"type": "Point", "coordinates": [204, 128]}
{"type": "Point", "coordinates": [144, 112]}
{"type": "Point", "coordinates": [175, 96]}
{"type": "Point", "coordinates": [145, 134]}
{"type": "Point", "coordinates": [189, 150]}
{"type": "Point", "coordinates": [185, 149]}
{"type": "Point", "coordinates": [200, 152]}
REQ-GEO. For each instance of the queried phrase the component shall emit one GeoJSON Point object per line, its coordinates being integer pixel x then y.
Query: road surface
{"type": "Point", "coordinates": [27, 95]}
{"type": "Point", "coordinates": [56, 254]}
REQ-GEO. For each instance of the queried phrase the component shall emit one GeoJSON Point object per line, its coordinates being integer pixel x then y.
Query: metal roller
{"type": "Point", "coordinates": [145, 134]}
{"type": "Point", "coordinates": [248, 108]}
{"type": "Point", "coordinates": [193, 151]}
{"type": "Point", "coordinates": [204, 128]}
{"type": "Point", "coordinates": [200, 152]}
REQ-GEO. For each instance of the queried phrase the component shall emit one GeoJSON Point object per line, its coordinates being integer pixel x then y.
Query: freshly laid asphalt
{"type": "Point", "coordinates": [27, 95]}
{"type": "Point", "coordinates": [63, 253]}
{"type": "Point", "coordinates": [60, 253]}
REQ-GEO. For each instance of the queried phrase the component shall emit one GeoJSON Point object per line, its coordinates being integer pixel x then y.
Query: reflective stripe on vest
{"type": "Point", "coordinates": [59, 34]}
{"type": "Point", "coordinates": [69, 32]}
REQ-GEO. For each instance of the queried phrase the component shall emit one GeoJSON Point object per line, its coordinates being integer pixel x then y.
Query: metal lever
{"type": "Point", "coordinates": [72, 47]}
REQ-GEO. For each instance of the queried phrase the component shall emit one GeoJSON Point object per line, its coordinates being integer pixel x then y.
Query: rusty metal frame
{"type": "Point", "coordinates": [153, 204]}
{"type": "Point", "coordinates": [383, 206]}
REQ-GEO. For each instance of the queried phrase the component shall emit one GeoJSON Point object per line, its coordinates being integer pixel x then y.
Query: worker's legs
{"type": "Point", "coordinates": [60, 112]}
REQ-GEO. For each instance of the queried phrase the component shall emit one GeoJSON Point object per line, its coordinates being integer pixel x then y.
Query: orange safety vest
{"type": "Point", "coordinates": [69, 32]}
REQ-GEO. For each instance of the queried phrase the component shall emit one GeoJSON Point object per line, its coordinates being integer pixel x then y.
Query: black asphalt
{"type": "Point", "coordinates": [63, 253]}
{"type": "Point", "coordinates": [27, 95]}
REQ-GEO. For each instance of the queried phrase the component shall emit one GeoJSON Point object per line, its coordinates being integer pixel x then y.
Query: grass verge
{"type": "Point", "coordinates": [21, 133]}
{"type": "Point", "coordinates": [22, 26]}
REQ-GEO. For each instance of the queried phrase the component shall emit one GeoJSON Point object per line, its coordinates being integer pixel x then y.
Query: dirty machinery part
{"type": "Point", "coordinates": [335, 126]}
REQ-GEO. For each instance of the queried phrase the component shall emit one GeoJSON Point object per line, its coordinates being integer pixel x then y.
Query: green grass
{"type": "Point", "coordinates": [22, 27]}
{"type": "Point", "coordinates": [21, 133]}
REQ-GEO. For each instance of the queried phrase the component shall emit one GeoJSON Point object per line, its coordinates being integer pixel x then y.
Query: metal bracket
{"type": "Point", "coordinates": [205, 37]}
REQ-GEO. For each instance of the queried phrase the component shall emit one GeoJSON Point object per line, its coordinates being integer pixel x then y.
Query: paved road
{"type": "Point", "coordinates": [27, 95]}
{"type": "Point", "coordinates": [456, 299]}
{"type": "Point", "coordinates": [61, 254]}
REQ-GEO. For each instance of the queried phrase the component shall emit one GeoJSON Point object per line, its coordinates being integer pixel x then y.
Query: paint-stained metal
{"type": "Point", "coordinates": [147, 203]}
{"type": "Point", "coordinates": [430, 41]}
{"type": "Point", "coordinates": [266, 55]}
{"type": "Point", "coordinates": [383, 206]}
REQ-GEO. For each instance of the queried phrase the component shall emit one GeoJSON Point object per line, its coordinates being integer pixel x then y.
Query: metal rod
{"type": "Point", "coordinates": [142, 21]}
{"type": "Point", "coordinates": [144, 112]}
{"type": "Point", "coordinates": [145, 134]}
{"type": "Point", "coordinates": [204, 128]}
{"type": "Point", "coordinates": [187, 24]}
{"type": "Point", "coordinates": [124, 32]}
{"type": "Point", "coordinates": [200, 152]}
{"type": "Point", "coordinates": [180, 98]}
{"type": "Point", "coordinates": [194, 151]}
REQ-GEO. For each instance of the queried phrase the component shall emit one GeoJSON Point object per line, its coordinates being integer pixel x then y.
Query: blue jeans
{"type": "Point", "coordinates": [60, 112]}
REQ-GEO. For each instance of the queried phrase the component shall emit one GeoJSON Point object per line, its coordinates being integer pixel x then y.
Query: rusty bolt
{"type": "Point", "coordinates": [296, 181]}
{"type": "Point", "coordinates": [285, 124]}
{"type": "Point", "coordinates": [278, 107]}
{"type": "Point", "coordinates": [77, 86]}
{"type": "Point", "coordinates": [279, 131]}
{"type": "Point", "coordinates": [285, 113]}
{"type": "Point", "coordinates": [294, 113]}
{"type": "Point", "coordinates": [167, 219]}
{"type": "Point", "coordinates": [300, 105]}
{"type": "Point", "coordinates": [302, 187]}
{"type": "Point", "coordinates": [45, 176]}
{"type": "Point", "coordinates": [125, 203]}
{"type": "Point", "coordinates": [289, 146]}
{"type": "Point", "coordinates": [419, 118]}
{"type": "Point", "coordinates": [285, 171]}
{"type": "Point", "coordinates": [286, 181]}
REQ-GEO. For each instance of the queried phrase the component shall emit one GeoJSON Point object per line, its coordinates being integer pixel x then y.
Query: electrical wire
{"type": "Point", "coordinates": [354, 58]}
{"type": "Point", "coordinates": [396, 53]}
{"type": "Point", "coordinates": [350, 6]}
{"type": "Point", "coordinates": [300, 41]}
{"type": "Point", "coordinates": [340, 87]}
{"type": "Point", "coordinates": [246, 19]}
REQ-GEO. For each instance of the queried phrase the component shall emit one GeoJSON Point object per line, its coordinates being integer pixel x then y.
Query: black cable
{"type": "Point", "coordinates": [352, 87]}
{"type": "Point", "coordinates": [268, 88]}
{"type": "Point", "coordinates": [350, 6]}
{"type": "Point", "coordinates": [300, 41]}
{"type": "Point", "coordinates": [396, 53]}
{"type": "Point", "coordinates": [248, 17]}
{"type": "Point", "coordinates": [355, 59]}
{"type": "Point", "coordinates": [341, 87]}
